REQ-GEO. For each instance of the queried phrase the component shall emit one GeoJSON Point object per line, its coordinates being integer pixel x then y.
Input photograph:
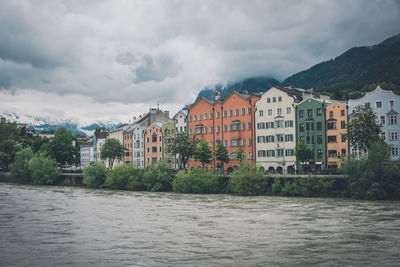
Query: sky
{"type": "Point", "coordinates": [95, 60]}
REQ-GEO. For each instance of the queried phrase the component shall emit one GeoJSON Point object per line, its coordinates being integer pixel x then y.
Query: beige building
{"type": "Point", "coordinates": [275, 131]}
{"type": "Point", "coordinates": [119, 135]}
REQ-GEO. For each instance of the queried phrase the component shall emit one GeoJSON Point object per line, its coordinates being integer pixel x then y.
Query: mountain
{"type": "Point", "coordinates": [358, 69]}
{"type": "Point", "coordinates": [252, 85]}
{"type": "Point", "coordinates": [46, 124]}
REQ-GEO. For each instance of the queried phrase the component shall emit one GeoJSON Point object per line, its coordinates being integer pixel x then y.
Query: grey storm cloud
{"type": "Point", "coordinates": [147, 51]}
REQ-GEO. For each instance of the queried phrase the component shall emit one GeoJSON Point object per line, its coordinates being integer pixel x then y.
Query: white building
{"type": "Point", "coordinates": [119, 135]}
{"type": "Point", "coordinates": [275, 129]}
{"type": "Point", "coordinates": [386, 106]}
{"type": "Point", "coordinates": [138, 145]}
{"type": "Point", "coordinates": [180, 120]}
{"type": "Point", "coordinates": [87, 154]}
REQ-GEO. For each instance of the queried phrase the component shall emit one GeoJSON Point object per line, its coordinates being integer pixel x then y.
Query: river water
{"type": "Point", "coordinates": [50, 226]}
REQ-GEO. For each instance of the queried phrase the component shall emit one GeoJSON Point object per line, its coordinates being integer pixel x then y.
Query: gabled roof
{"type": "Point", "coordinates": [331, 119]}
{"type": "Point", "coordinates": [378, 88]}
{"type": "Point", "coordinates": [184, 112]}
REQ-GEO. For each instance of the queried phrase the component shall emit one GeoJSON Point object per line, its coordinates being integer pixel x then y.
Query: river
{"type": "Point", "coordinates": [50, 226]}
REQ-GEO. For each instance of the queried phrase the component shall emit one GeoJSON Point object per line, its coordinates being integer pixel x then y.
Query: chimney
{"type": "Point", "coordinates": [245, 92]}
{"type": "Point", "coordinates": [217, 95]}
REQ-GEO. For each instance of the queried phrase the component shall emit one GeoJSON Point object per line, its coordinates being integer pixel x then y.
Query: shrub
{"type": "Point", "coordinates": [19, 171]}
{"type": "Point", "coordinates": [158, 178]}
{"type": "Point", "coordinates": [277, 187]}
{"type": "Point", "coordinates": [196, 181]}
{"type": "Point", "coordinates": [248, 180]}
{"type": "Point", "coordinates": [125, 177]}
{"type": "Point", "coordinates": [94, 175]}
{"type": "Point", "coordinates": [43, 169]}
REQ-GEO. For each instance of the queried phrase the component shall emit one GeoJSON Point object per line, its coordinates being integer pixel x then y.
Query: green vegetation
{"type": "Point", "coordinates": [304, 154]}
{"type": "Point", "coordinates": [183, 147]}
{"type": "Point", "coordinates": [248, 180]}
{"type": "Point", "coordinates": [34, 168]}
{"type": "Point", "coordinates": [197, 181]}
{"type": "Point", "coordinates": [222, 155]}
{"type": "Point", "coordinates": [125, 177]}
{"type": "Point", "coordinates": [112, 150]}
{"type": "Point", "coordinates": [158, 178]}
{"type": "Point", "coordinates": [203, 153]}
{"type": "Point", "coordinates": [94, 175]}
{"type": "Point", "coordinates": [64, 147]}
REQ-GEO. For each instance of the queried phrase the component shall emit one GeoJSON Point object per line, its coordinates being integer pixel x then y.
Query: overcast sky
{"type": "Point", "coordinates": [114, 59]}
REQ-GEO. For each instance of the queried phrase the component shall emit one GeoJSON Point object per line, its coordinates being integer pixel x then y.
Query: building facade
{"type": "Point", "coordinates": [98, 141]}
{"type": "Point", "coordinates": [86, 154]}
{"type": "Point", "coordinates": [386, 106]}
{"type": "Point", "coordinates": [275, 118]}
{"type": "Point", "coordinates": [168, 133]}
{"type": "Point", "coordinates": [153, 144]}
{"type": "Point", "coordinates": [119, 135]}
{"type": "Point", "coordinates": [337, 145]}
{"type": "Point", "coordinates": [310, 129]}
{"type": "Point", "coordinates": [180, 120]}
{"type": "Point", "coordinates": [228, 121]}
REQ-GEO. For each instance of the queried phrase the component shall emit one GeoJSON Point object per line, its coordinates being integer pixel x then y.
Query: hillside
{"type": "Point", "coordinates": [252, 85]}
{"type": "Point", "coordinates": [358, 69]}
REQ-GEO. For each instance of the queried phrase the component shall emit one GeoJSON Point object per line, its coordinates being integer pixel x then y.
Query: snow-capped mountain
{"type": "Point", "coordinates": [44, 124]}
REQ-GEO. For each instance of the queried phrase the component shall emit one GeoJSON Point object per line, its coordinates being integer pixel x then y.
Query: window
{"type": "Point", "coordinates": [160, 138]}
{"type": "Point", "coordinates": [260, 125]}
{"type": "Point", "coordinates": [261, 153]}
{"type": "Point", "coordinates": [269, 112]}
{"type": "Point", "coordinates": [190, 131]}
{"type": "Point", "coordinates": [378, 104]}
{"type": "Point", "coordinates": [261, 113]}
{"type": "Point", "coordinates": [235, 142]}
{"type": "Point", "coordinates": [319, 153]}
{"type": "Point", "coordinates": [395, 151]}
{"type": "Point", "coordinates": [270, 138]}
{"type": "Point", "coordinates": [332, 139]}
{"type": "Point", "coordinates": [393, 119]}
{"type": "Point", "coordinates": [250, 155]}
{"type": "Point", "coordinates": [319, 139]}
{"type": "Point", "coordinates": [236, 112]}
{"type": "Point", "coordinates": [301, 113]}
{"type": "Point", "coordinates": [342, 112]}
{"type": "Point", "coordinates": [343, 125]}
{"type": "Point", "coordinates": [301, 138]}
{"type": "Point", "coordinates": [269, 125]}
{"type": "Point", "coordinates": [248, 110]}
{"type": "Point", "coordinates": [319, 126]}
{"type": "Point", "coordinates": [205, 116]}
{"type": "Point", "coordinates": [343, 137]}
{"type": "Point", "coordinates": [309, 113]}
{"type": "Point", "coordinates": [309, 126]}
{"type": "Point", "coordinates": [289, 152]}
{"type": "Point", "coordinates": [243, 126]}
{"type": "Point", "coordinates": [279, 111]}
{"type": "Point", "coordinates": [154, 138]}
{"type": "Point", "coordinates": [331, 125]}
{"type": "Point", "coordinates": [279, 99]}
{"type": "Point", "coordinates": [268, 100]}
{"type": "Point", "coordinates": [148, 140]}
{"type": "Point", "coordinates": [271, 153]}
{"type": "Point", "coordinates": [205, 130]}
{"type": "Point", "coordinates": [301, 127]}
{"type": "Point", "coordinates": [154, 149]}
{"type": "Point", "coordinates": [250, 142]}
{"type": "Point", "coordinates": [243, 142]}
{"type": "Point", "coordinates": [243, 111]}
{"type": "Point", "coordinates": [319, 112]}
{"type": "Point", "coordinates": [332, 153]}
{"type": "Point", "coordinates": [225, 143]}
{"type": "Point", "coordinates": [274, 99]}
{"type": "Point", "coordinates": [211, 115]}
{"type": "Point", "coordinates": [194, 117]}
{"type": "Point", "coordinates": [344, 153]}
{"type": "Point", "coordinates": [288, 137]}
{"type": "Point", "coordinates": [289, 123]}
{"type": "Point", "coordinates": [279, 138]}
{"type": "Point", "coordinates": [330, 114]}
{"type": "Point", "coordinates": [190, 118]}
{"type": "Point", "coordinates": [249, 126]}
{"type": "Point", "coordinates": [217, 115]}
{"type": "Point", "coordinates": [225, 128]}
{"type": "Point", "coordinates": [218, 129]}
{"type": "Point", "coordinates": [225, 114]}
{"type": "Point", "coordinates": [382, 120]}
{"type": "Point", "coordinates": [279, 152]}
{"type": "Point", "coordinates": [391, 103]}
{"type": "Point", "coordinates": [235, 126]}
{"type": "Point", "coordinates": [230, 113]}
{"type": "Point", "coordinates": [211, 129]}
{"type": "Point", "coordinates": [383, 135]}
{"type": "Point", "coordinates": [288, 110]}
{"type": "Point", "coordinates": [198, 130]}
{"type": "Point", "coordinates": [308, 140]}
{"type": "Point", "coordinates": [393, 136]}
{"type": "Point", "coordinates": [279, 124]}
{"type": "Point", "coordinates": [160, 149]}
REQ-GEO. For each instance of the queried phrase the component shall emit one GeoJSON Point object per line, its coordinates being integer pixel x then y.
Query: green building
{"type": "Point", "coordinates": [310, 128]}
{"type": "Point", "coordinates": [168, 130]}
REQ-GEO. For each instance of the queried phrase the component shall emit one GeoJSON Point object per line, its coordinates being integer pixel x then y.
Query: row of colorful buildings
{"type": "Point", "coordinates": [266, 127]}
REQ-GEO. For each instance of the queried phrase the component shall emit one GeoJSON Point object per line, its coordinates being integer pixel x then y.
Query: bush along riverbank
{"type": "Point", "coordinates": [372, 177]}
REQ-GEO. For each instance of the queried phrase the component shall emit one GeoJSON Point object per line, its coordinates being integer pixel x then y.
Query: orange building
{"type": "Point", "coordinates": [153, 151]}
{"type": "Point", "coordinates": [337, 146]}
{"type": "Point", "coordinates": [229, 121]}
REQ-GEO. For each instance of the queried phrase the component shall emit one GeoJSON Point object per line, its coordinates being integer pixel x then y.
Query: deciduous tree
{"type": "Point", "coordinates": [111, 150]}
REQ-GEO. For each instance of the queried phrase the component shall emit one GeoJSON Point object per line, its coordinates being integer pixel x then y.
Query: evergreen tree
{"type": "Point", "coordinates": [183, 147]}
{"type": "Point", "coordinates": [222, 154]}
{"type": "Point", "coordinates": [203, 153]}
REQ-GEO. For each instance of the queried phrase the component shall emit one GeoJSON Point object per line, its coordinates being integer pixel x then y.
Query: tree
{"type": "Point", "coordinates": [203, 153]}
{"type": "Point", "coordinates": [63, 147]}
{"type": "Point", "coordinates": [94, 175]}
{"type": "Point", "coordinates": [111, 150]}
{"type": "Point", "coordinates": [362, 131]}
{"type": "Point", "coordinates": [240, 155]}
{"type": "Point", "coordinates": [19, 169]}
{"type": "Point", "coordinates": [304, 153]}
{"type": "Point", "coordinates": [10, 143]}
{"type": "Point", "coordinates": [222, 154]}
{"type": "Point", "coordinates": [183, 147]}
{"type": "Point", "coordinates": [43, 169]}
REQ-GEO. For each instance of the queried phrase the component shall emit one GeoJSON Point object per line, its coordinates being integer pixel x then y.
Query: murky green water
{"type": "Point", "coordinates": [50, 226]}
